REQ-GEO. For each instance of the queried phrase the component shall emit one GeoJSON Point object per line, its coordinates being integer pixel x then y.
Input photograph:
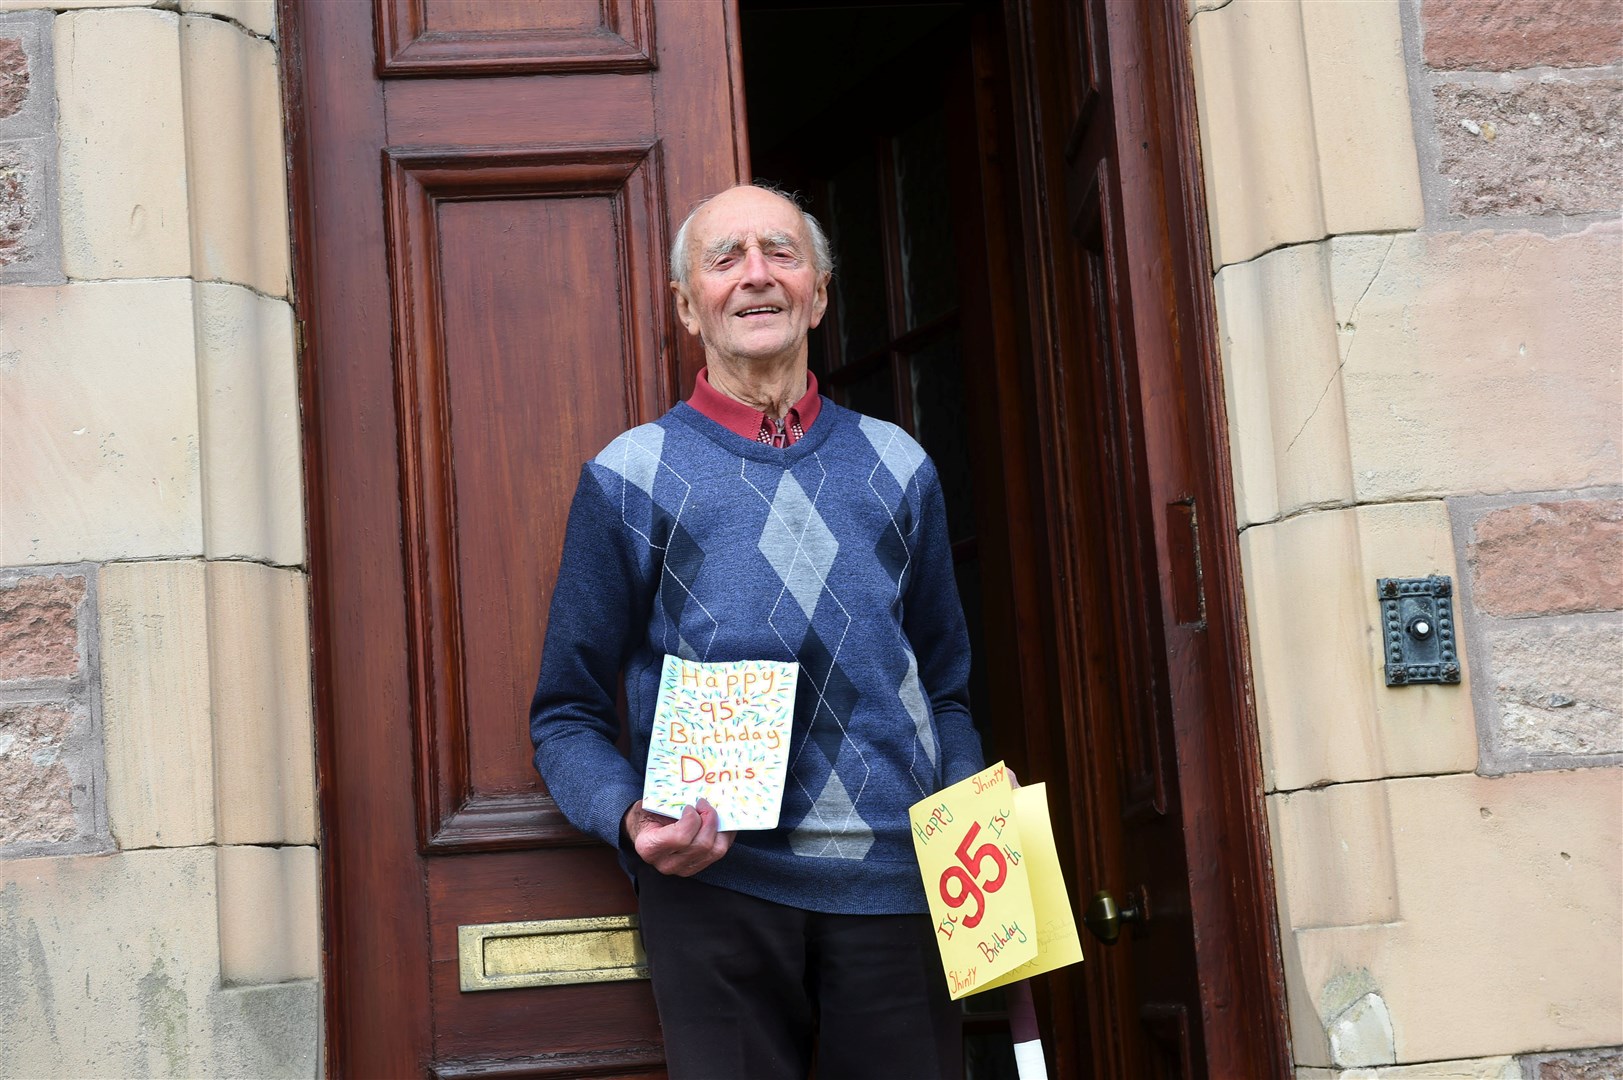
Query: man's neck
{"type": "Point", "coordinates": [771, 389]}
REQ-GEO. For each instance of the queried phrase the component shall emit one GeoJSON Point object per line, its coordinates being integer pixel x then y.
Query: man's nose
{"type": "Point", "coordinates": [756, 270]}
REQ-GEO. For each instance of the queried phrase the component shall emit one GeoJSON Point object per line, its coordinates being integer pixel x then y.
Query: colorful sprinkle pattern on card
{"type": "Point", "coordinates": [721, 732]}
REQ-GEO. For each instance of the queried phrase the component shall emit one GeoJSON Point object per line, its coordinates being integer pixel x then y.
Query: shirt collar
{"type": "Point", "coordinates": [740, 418]}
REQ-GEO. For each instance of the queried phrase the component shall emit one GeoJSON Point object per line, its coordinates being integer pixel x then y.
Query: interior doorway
{"type": "Point", "coordinates": [1007, 185]}
{"type": "Point", "coordinates": [864, 110]}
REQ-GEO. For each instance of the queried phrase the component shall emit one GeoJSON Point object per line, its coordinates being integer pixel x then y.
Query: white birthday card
{"type": "Point", "coordinates": [721, 733]}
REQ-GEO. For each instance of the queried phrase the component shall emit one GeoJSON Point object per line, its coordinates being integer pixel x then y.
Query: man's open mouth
{"type": "Point", "coordinates": [747, 312]}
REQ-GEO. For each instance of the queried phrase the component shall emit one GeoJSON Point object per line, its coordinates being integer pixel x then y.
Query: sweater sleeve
{"type": "Point", "coordinates": [599, 608]}
{"type": "Point", "coordinates": [933, 619]}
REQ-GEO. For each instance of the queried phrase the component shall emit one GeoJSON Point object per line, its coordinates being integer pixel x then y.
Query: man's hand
{"type": "Point", "coordinates": [680, 847]}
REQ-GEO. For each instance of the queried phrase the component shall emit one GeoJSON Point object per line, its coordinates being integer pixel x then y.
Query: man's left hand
{"type": "Point", "coordinates": [680, 847]}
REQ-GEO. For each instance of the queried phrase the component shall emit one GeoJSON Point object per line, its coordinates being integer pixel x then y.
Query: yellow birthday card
{"type": "Point", "coordinates": [992, 876]}
{"type": "Point", "coordinates": [970, 855]}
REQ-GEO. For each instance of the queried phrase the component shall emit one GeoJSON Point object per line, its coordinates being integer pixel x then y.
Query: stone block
{"type": "Point", "coordinates": [1503, 35]}
{"type": "Point", "coordinates": [269, 1030]}
{"type": "Point", "coordinates": [1548, 688]}
{"type": "Point", "coordinates": [1324, 144]}
{"type": "Point", "coordinates": [1281, 375]}
{"type": "Point", "coordinates": [1362, 1033]}
{"type": "Point", "coordinates": [248, 390]}
{"type": "Point", "coordinates": [73, 5]}
{"type": "Point", "coordinates": [1558, 691]}
{"type": "Point", "coordinates": [1323, 707]}
{"type": "Point", "coordinates": [30, 228]}
{"type": "Point", "coordinates": [264, 740]}
{"type": "Point", "coordinates": [155, 702]}
{"type": "Point", "coordinates": [40, 616]}
{"type": "Point", "coordinates": [1462, 969]}
{"type": "Point", "coordinates": [100, 385]}
{"type": "Point", "coordinates": [1605, 1063]}
{"type": "Point", "coordinates": [1503, 1067]}
{"type": "Point", "coordinates": [1546, 146]}
{"type": "Point", "coordinates": [133, 934]}
{"type": "Point", "coordinates": [27, 76]}
{"type": "Point", "coordinates": [30, 234]}
{"type": "Point", "coordinates": [14, 76]}
{"type": "Point", "coordinates": [52, 783]}
{"type": "Point", "coordinates": [1344, 837]}
{"type": "Point", "coordinates": [257, 15]}
{"type": "Point", "coordinates": [237, 157]}
{"type": "Point", "coordinates": [36, 790]}
{"type": "Point", "coordinates": [1369, 171]}
{"type": "Point", "coordinates": [1548, 558]}
{"type": "Point", "coordinates": [1445, 350]}
{"type": "Point", "coordinates": [113, 970]}
{"type": "Point", "coordinates": [123, 145]}
{"type": "Point", "coordinates": [1256, 136]}
{"type": "Point", "coordinates": [269, 899]}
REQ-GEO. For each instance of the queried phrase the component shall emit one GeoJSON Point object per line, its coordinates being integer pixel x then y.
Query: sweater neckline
{"type": "Point", "coordinates": [830, 416]}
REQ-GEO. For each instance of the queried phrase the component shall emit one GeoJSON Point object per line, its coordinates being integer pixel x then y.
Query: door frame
{"type": "Point", "coordinates": [1238, 953]}
{"type": "Point", "coordinates": [1217, 750]}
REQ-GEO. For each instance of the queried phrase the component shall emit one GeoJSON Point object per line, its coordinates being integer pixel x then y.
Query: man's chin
{"type": "Point", "coordinates": [761, 354]}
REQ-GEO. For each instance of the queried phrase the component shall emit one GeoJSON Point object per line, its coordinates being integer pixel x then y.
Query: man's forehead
{"type": "Point", "coordinates": [746, 214]}
{"type": "Point", "coordinates": [731, 241]}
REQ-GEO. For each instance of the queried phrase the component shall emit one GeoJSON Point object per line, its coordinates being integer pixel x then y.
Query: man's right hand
{"type": "Point", "coordinates": [681, 846]}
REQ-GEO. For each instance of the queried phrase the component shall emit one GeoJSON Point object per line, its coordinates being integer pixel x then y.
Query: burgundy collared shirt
{"type": "Point", "coordinates": [740, 419]}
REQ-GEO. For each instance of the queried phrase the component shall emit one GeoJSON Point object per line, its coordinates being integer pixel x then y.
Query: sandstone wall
{"type": "Point", "coordinates": [158, 875]}
{"type": "Point", "coordinates": [1415, 219]}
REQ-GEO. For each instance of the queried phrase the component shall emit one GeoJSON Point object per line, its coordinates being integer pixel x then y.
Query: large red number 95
{"type": "Point", "coordinates": [965, 878]}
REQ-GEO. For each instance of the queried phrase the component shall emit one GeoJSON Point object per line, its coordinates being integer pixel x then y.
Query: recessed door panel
{"type": "Point", "coordinates": [527, 328]}
{"type": "Point", "coordinates": [450, 37]}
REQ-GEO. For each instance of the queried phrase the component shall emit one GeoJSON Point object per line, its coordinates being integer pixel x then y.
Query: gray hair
{"type": "Point", "coordinates": [822, 252]}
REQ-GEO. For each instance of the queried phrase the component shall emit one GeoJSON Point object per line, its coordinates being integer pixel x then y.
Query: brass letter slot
{"type": "Point", "coordinates": [550, 952]}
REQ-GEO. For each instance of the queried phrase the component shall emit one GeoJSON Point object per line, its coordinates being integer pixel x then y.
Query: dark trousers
{"type": "Point", "coordinates": [747, 989]}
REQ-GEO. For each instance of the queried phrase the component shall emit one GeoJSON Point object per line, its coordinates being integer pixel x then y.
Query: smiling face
{"type": "Point", "coordinates": [753, 289]}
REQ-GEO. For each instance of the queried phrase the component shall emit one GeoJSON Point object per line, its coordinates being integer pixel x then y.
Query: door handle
{"type": "Point", "coordinates": [1104, 917]}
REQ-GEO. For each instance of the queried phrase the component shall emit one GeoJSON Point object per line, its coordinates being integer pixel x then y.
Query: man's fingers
{"type": "Point", "coordinates": [666, 847]}
{"type": "Point", "coordinates": [685, 846]}
{"type": "Point", "coordinates": [705, 838]}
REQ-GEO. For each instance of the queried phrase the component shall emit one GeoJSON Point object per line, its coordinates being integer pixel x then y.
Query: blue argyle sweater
{"type": "Point", "coordinates": [687, 538]}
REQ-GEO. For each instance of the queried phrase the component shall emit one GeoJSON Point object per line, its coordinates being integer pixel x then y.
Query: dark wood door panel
{"type": "Point", "coordinates": [529, 309]}
{"type": "Point", "coordinates": [1134, 680]}
{"type": "Point", "coordinates": [489, 37]}
{"type": "Point", "coordinates": [483, 305]}
{"type": "Point", "coordinates": [581, 110]}
{"type": "Point", "coordinates": [531, 1022]}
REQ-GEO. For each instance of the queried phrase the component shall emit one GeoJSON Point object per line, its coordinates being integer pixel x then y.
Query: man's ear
{"type": "Point", "coordinates": [819, 301]}
{"type": "Point", "coordinates": [684, 309]}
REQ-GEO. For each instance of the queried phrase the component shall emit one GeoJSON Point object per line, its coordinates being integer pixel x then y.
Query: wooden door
{"type": "Point", "coordinates": [482, 191]}
{"type": "Point", "coordinates": [1146, 656]}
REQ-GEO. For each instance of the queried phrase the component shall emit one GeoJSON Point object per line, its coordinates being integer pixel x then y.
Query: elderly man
{"type": "Point", "coordinates": [758, 521]}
